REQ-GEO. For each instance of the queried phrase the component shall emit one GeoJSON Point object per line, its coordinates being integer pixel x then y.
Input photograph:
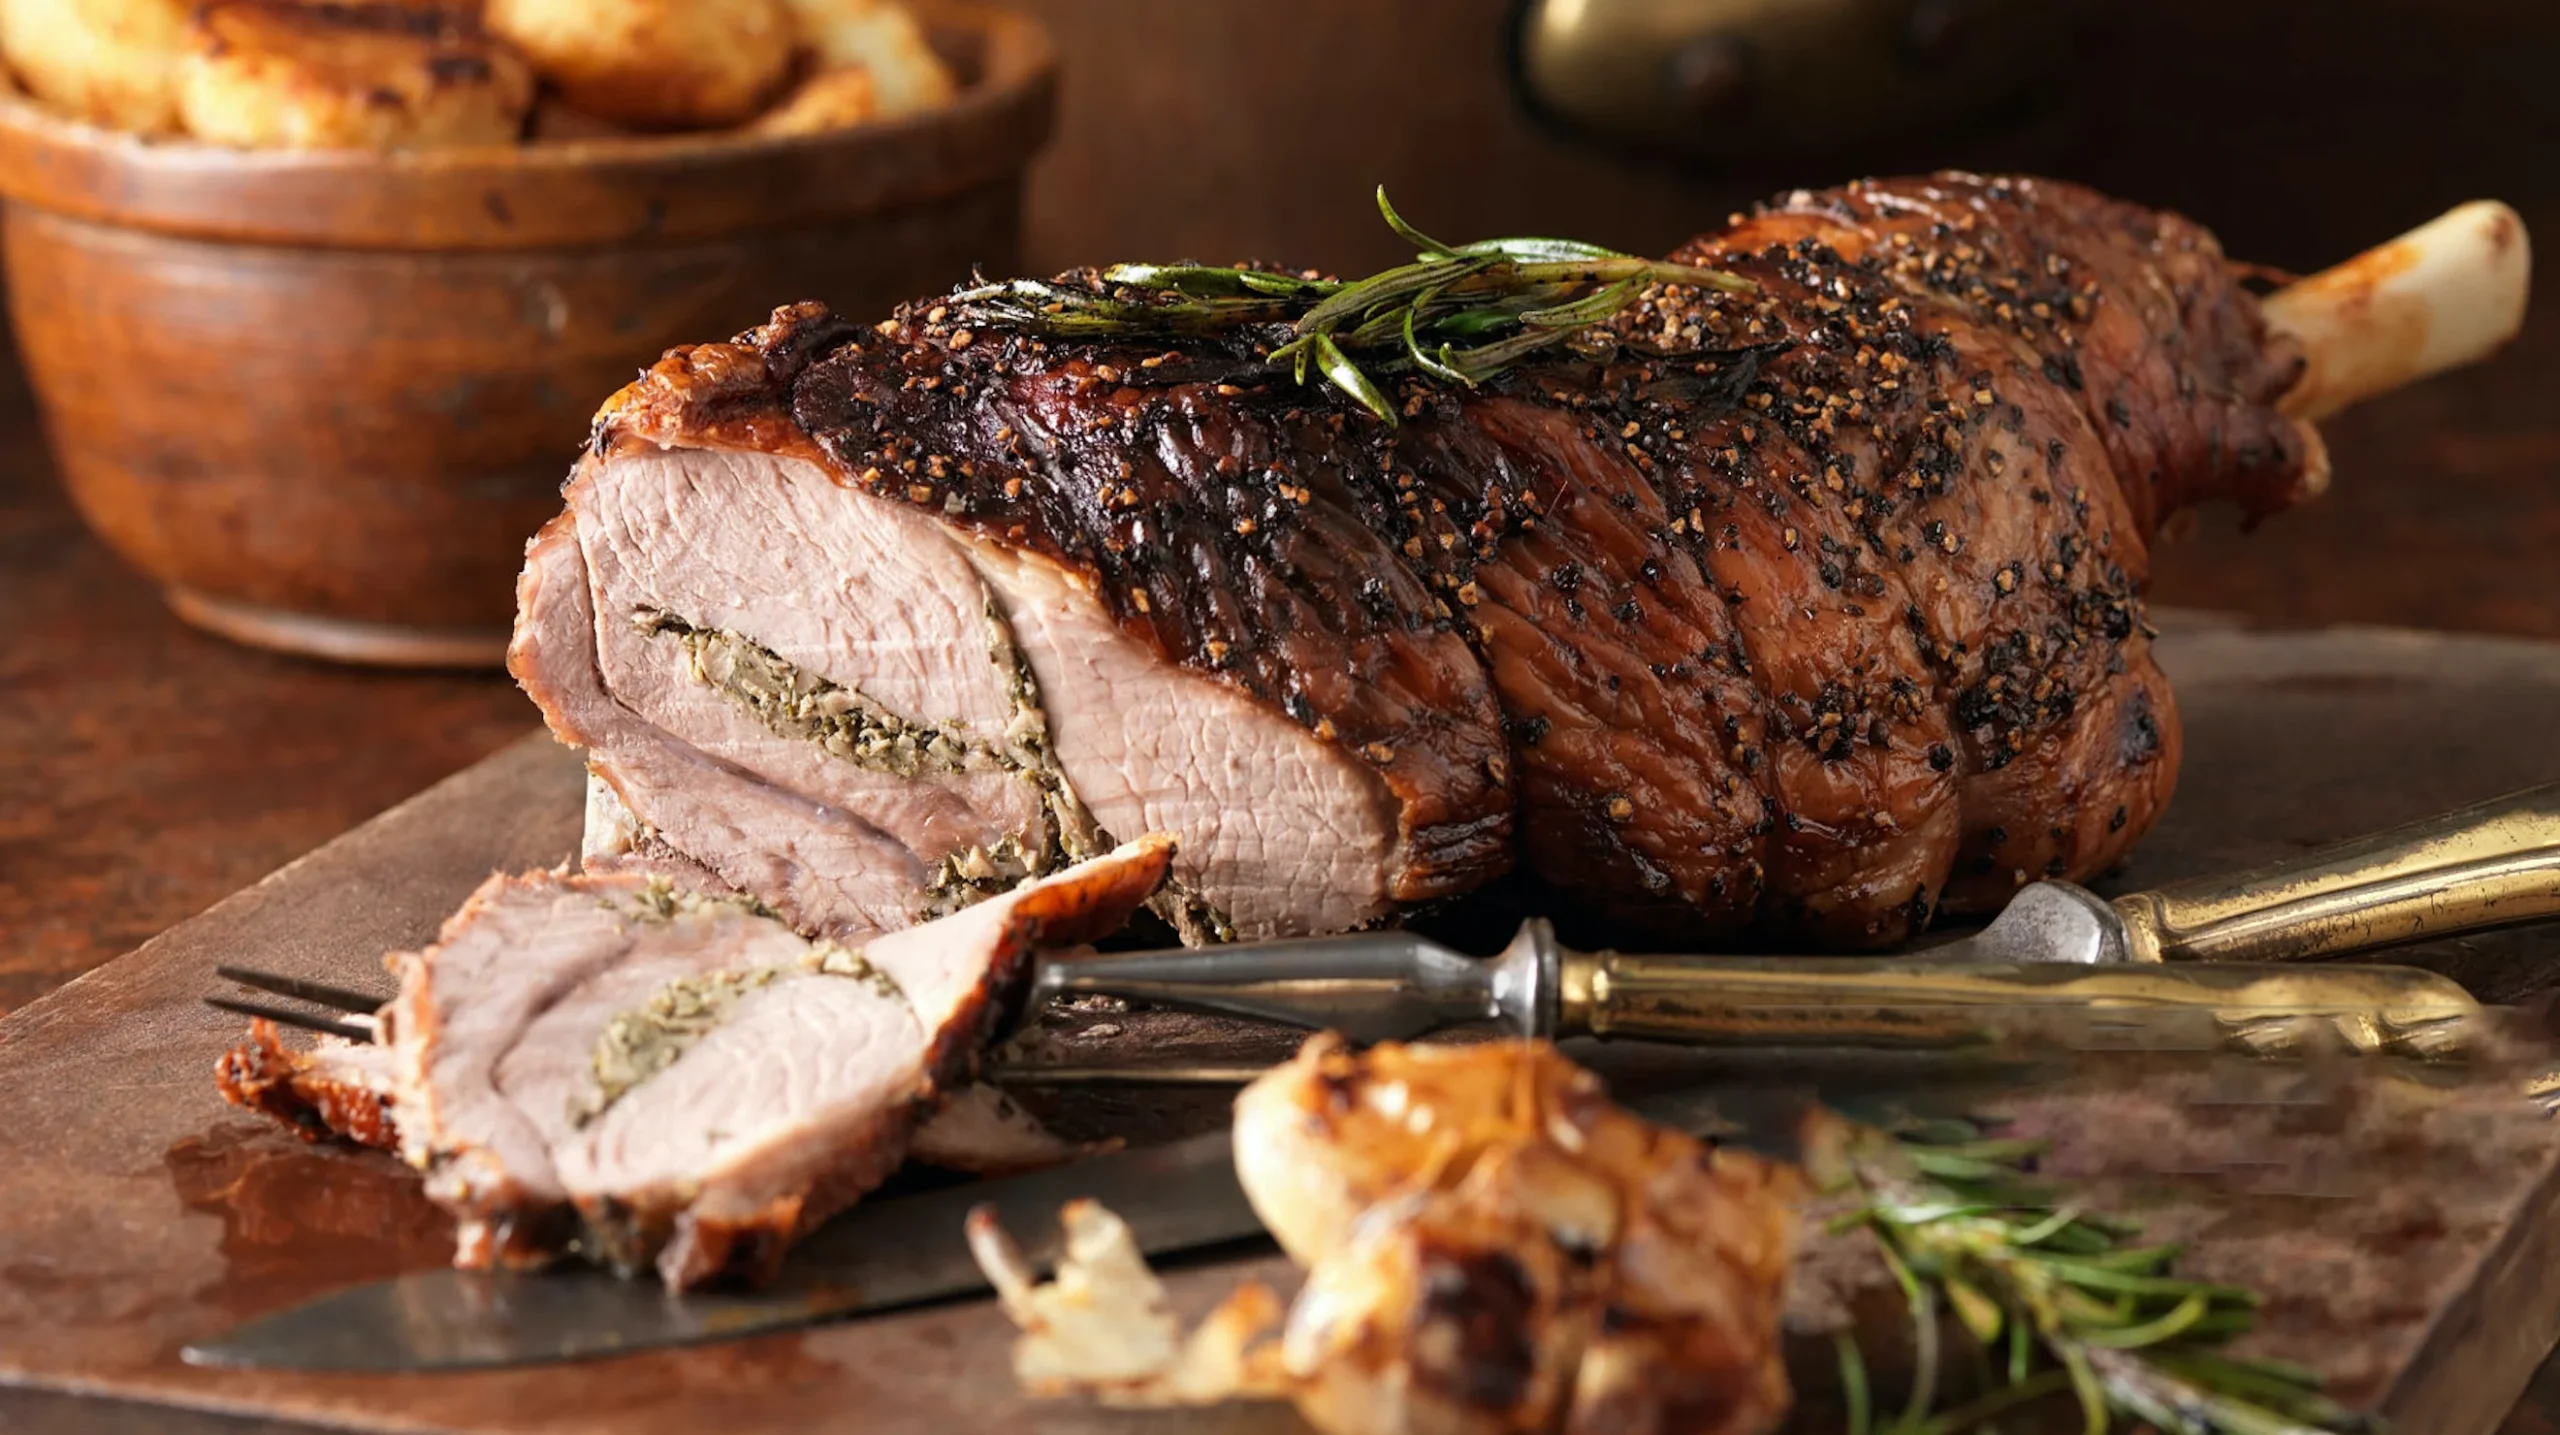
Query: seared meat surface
{"type": "Point", "coordinates": [1801, 612]}
{"type": "Point", "coordinates": [682, 1081]}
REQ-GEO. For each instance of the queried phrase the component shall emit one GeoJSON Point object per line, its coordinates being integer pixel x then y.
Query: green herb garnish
{"type": "Point", "coordinates": [1460, 313]}
{"type": "Point", "coordinates": [2055, 1300]}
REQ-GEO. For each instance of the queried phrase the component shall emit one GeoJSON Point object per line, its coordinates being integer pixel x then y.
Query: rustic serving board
{"type": "Point", "coordinates": [2403, 1227]}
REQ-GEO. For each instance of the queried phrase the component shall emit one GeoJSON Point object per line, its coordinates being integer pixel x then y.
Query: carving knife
{"type": "Point", "coordinates": [2011, 986]}
{"type": "Point", "coordinates": [879, 1256]}
{"type": "Point", "coordinates": [2060, 965]}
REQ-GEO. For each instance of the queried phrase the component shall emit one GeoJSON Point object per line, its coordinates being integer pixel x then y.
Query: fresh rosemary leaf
{"type": "Point", "coordinates": [2077, 1305]}
{"type": "Point", "coordinates": [2094, 1408]}
{"type": "Point", "coordinates": [1934, 1131]}
{"type": "Point", "coordinates": [1981, 1314]}
{"type": "Point", "coordinates": [1955, 1166]}
{"type": "Point", "coordinates": [2138, 1260]}
{"type": "Point", "coordinates": [1853, 1385]}
{"type": "Point", "coordinates": [1486, 360]}
{"type": "Point", "coordinates": [1262, 281]}
{"type": "Point", "coordinates": [1431, 248]}
{"type": "Point", "coordinates": [1196, 279]}
{"type": "Point", "coordinates": [1499, 316]}
{"type": "Point", "coordinates": [1377, 289]}
{"type": "Point", "coordinates": [1346, 375]}
{"type": "Point", "coordinates": [2046, 1229]}
{"type": "Point", "coordinates": [1538, 249]}
{"type": "Point", "coordinates": [1578, 312]}
{"type": "Point", "coordinates": [2258, 1380]}
{"type": "Point", "coordinates": [2177, 1322]}
{"type": "Point", "coordinates": [2101, 1278]}
{"type": "Point", "coordinates": [1923, 1298]}
{"type": "Point", "coordinates": [1436, 365]}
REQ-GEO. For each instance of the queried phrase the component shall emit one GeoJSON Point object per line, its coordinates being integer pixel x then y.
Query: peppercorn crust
{"type": "Point", "coordinates": [1802, 612]}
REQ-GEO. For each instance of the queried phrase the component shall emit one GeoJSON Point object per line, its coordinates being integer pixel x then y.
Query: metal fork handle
{"type": "Point", "coordinates": [2491, 865]}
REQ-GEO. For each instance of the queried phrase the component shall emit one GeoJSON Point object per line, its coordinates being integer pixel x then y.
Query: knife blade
{"type": "Point", "coordinates": [877, 1257]}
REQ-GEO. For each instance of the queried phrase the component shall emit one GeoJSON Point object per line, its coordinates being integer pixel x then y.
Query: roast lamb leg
{"type": "Point", "coordinates": [1794, 612]}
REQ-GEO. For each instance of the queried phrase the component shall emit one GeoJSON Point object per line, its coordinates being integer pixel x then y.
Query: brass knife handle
{"type": "Point", "coordinates": [2492, 865]}
{"type": "Point", "coordinates": [1880, 1002]}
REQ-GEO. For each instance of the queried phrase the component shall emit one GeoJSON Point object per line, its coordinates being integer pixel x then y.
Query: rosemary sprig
{"type": "Point", "coordinates": [1460, 313]}
{"type": "Point", "coordinates": [2056, 1298]}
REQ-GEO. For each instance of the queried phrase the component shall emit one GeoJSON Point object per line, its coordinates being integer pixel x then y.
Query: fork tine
{"type": "Point", "coordinates": [317, 993]}
{"type": "Point", "coordinates": [305, 1020]}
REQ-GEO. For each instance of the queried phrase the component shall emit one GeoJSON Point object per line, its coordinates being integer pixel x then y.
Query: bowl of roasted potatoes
{"type": "Point", "coordinates": [317, 297]}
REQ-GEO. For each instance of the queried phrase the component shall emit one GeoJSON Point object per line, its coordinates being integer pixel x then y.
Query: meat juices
{"type": "Point", "coordinates": [671, 1079]}
{"type": "Point", "coordinates": [1801, 613]}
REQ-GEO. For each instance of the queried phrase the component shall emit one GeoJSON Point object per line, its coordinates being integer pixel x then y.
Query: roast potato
{"type": "Point", "coordinates": [881, 37]}
{"type": "Point", "coordinates": [1492, 1247]}
{"type": "Point", "coordinates": [110, 62]}
{"type": "Point", "coordinates": [302, 74]}
{"type": "Point", "coordinates": [555, 121]}
{"type": "Point", "coordinates": [827, 100]}
{"type": "Point", "coordinates": [655, 64]}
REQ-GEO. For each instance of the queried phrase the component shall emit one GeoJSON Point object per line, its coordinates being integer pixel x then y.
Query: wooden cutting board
{"type": "Point", "coordinates": [2403, 1229]}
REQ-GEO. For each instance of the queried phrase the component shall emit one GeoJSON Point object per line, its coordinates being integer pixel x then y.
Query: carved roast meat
{"type": "Point", "coordinates": [665, 1078]}
{"type": "Point", "coordinates": [1802, 612]}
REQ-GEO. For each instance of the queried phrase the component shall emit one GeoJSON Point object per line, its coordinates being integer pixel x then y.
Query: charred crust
{"type": "Point", "coordinates": [264, 1076]}
{"type": "Point", "coordinates": [734, 394]}
{"type": "Point", "coordinates": [1892, 512]}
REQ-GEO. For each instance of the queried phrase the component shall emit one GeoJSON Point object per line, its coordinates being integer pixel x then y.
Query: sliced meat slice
{"type": "Point", "coordinates": [681, 1080]}
{"type": "Point", "coordinates": [798, 1088]}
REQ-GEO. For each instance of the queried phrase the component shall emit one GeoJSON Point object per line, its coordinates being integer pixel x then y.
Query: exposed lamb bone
{"type": "Point", "coordinates": [678, 1080]}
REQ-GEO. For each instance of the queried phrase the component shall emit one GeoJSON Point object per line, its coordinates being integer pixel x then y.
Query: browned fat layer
{"type": "Point", "coordinates": [264, 1076]}
{"type": "Point", "coordinates": [729, 395]}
